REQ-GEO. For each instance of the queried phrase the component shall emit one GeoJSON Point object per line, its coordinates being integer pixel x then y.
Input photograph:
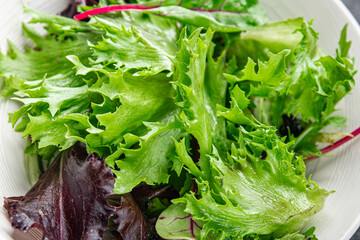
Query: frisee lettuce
{"type": "Point", "coordinates": [190, 95]}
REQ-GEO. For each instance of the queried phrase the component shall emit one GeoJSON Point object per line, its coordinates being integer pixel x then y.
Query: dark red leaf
{"type": "Point", "coordinates": [144, 193]}
{"type": "Point", "coordinates": [69, 200]}
{"type": "Point", "coordinates": [130, 221]}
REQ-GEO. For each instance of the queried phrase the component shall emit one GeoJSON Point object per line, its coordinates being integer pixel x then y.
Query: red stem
{"type": "Point", "coordinates": [126, 7]}
{"type": "Point", "coordinates": [112, 8]}
{"type": "Point", "coordinates": [336, 144]}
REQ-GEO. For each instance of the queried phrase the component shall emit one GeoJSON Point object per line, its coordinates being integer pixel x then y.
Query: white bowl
{"type": "Point", "coordinates": [340, 217]}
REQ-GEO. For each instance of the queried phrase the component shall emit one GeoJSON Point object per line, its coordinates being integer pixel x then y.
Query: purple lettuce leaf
{"type": "Point", "coordinates": [130, 221]}
{"type": "Point", "coordinates": [69, 200]}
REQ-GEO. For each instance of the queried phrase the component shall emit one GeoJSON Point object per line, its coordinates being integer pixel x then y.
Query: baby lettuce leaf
{"type": "Point", "coordinates": [221, 16]}
{"type": "Point", "coordinates": [136, 41]}
{"type": "Point", "coordinates": [129, 221]}
{"type": "Point", "coordinates": [195, 95]}
{"type": "Point", "coordinates": [153, 156]}
{"type": "Point", "coordinates": [218, 20]}
{"type": "Point", "coordinates": [189, 84]}
{"type": "Point", "coordinates": [69, 200]}
{"type": "Point", "coordinates": [236, 6]}
{"type": "Point", "coordinates": [175, 223]}
{"type": "Point", "coordinates": [275, 36]}
{"type": "Point", "coordinates": [258, 193]}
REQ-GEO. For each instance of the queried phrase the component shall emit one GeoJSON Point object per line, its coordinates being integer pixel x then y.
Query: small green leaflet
{"type": "Point", "coordinates": [174, 223]}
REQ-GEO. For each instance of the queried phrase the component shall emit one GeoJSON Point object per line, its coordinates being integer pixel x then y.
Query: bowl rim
{"type": "Point", "coordinates": [356, 25]}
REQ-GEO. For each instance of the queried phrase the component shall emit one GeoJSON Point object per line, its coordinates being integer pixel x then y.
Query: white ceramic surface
{"type": "Point", "coordinates": [341, 215]}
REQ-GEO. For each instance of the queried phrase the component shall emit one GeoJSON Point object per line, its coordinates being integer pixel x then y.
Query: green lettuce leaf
{"type": "Point", "coordinates": [273, 37]}
{"type": "Point", "coordinates": [197, 107]}
{"type": "Point", "coordinates": [151, 162]}
{"type": "Point", "coordinates": [262, 192]}
{"type": "Point", "coordinates": [220, 21]}
{"type": "Point", "coordinates": [197, 85]}
{"type": "Point", "coordinates": [221, 16]}
{"type": "Point", "coordinates": [136, 41]}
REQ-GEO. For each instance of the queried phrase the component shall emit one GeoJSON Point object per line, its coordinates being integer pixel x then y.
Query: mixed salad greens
{"type": "Point", "coordinates": [172, 120]}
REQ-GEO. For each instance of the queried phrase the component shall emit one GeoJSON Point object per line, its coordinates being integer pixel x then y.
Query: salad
{"type": "Point", "coordinates": [173, 120]}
